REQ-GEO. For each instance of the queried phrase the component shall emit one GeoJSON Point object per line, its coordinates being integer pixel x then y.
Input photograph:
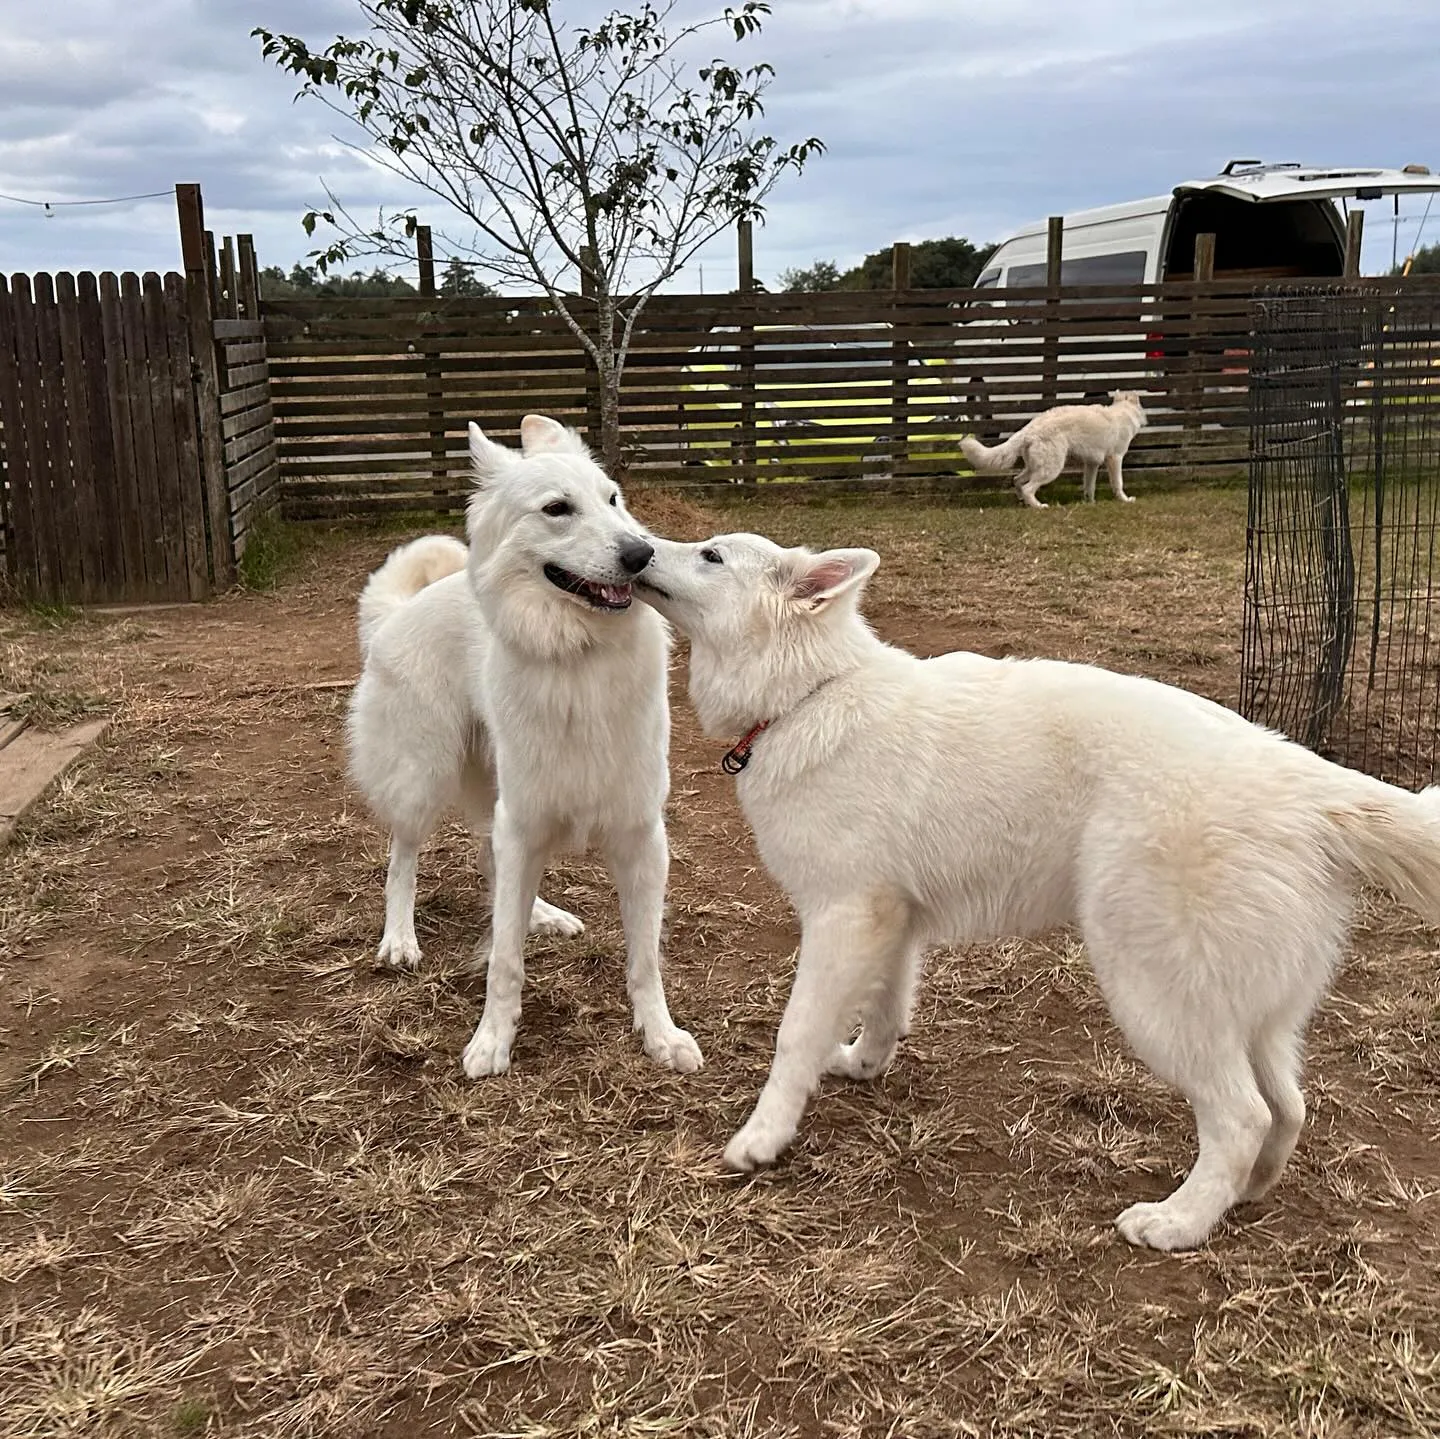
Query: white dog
{"type": "Point", "coordinates": [905, 803]}
{"type": "Point", "coordinates": [1090, 434]}
{"type": "Point", "coordinates": [515, 683]}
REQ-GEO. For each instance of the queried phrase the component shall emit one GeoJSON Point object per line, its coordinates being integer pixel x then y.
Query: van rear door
{"type": "Point", "coordinates": [1275, 222]}
{"type": "Point", "coordinates": [1263, 183]}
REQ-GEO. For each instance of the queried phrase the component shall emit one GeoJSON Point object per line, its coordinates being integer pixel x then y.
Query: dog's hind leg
{"type": "Point", "coordinates": [478, 800]}
{"type": "Point", "coordinates": [1026, 484]}
{"type": "Point", "coordinates": [1275, 1055]}
{"type": "Point", "coordinates": [520, 856]}
{"type": "Point", "coordinates": [841, 949]}
{"type": "Point", "coordinates": [1041, 466]}
{"type": "Point", "coordinates": [639, 861]}
{"type": "Point", "coordinates": [884, 1022]}
{"type": "Point", "coordinates": [1232, 1121]}
{"type": "Point", "coordinates": [1113, 465]}
{"type": "Point", "coordinates": [399, 948]}
{"type": "Point", "coordinates": [1090, 470]}
{"type": "Point", "coordinates": [1196, 1047]}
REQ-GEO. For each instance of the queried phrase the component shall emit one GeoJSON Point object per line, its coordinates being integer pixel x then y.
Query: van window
{"type": "Point", "coordinates": [987, 279]}
{"type": "Point", "coordinates": [1124, 267]}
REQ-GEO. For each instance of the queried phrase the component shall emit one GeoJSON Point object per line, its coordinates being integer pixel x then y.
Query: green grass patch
{"type": "Point", "coordinates": [52, 616]}
{"type": "Point", "coordinates": [272, 546]}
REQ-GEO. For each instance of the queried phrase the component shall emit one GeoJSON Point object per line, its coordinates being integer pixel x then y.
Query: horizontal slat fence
{"type": "Point", "coordinates": [371, 397]}
{"type": "Point", "coordinates": [247, 424]}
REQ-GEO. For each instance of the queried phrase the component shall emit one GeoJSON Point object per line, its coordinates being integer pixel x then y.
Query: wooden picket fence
{"type": "Point", "coordinates": [105, 498]}
{"type": "Point", "coordinates": [136, 436]}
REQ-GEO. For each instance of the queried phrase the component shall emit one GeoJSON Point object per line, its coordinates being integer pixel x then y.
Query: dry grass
{"type": "Point", "coordinates": [245, 1192]}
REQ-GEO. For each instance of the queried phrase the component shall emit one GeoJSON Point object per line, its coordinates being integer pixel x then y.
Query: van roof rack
{"type": "Point", "coordinates": [1247, 167]}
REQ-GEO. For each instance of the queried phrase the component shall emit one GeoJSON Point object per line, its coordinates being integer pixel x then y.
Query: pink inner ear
{"type": "Point", "coordinates": [822, 576]}
{"type": "Point", "coordinates": [537, 432]}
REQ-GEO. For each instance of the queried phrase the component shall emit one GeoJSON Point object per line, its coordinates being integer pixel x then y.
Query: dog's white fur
{"type": "Point", "coordinates": [542, 719]}
{"type": "Point", "coordinates": [1091, 435]}
{"type": "Point", "coordinates": [905, 803]}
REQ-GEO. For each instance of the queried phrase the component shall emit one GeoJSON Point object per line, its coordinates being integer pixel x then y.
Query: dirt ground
{"type": "Point", "coordinates": [245, 1191]}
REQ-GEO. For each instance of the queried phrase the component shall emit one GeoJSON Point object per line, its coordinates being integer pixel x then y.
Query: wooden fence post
{"type": "Point", "coordinates": [1202, 272]}
{"type": "Point", "coordinates": [247, 278]}
{"type": "Point", "coordinates": [228, 308]}
{"type": "Point", "coordinates": [749, 448]}
{"type": "Point", "coordinates": [900, 361]}
{"type": "Point", "coordinates": [1354, 234]}
{"type": "Point", "coordinates": [1050, 363]}
{"type": "Point", "coordinates": [1204, 259]}
{"type": "Point", "coordinates": [193, 250]}
{"type": "Point", "coordinates": [434, 381]}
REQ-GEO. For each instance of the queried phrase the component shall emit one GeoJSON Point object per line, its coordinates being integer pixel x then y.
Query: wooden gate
{"type": "Point", "coordinates": [102, 493]}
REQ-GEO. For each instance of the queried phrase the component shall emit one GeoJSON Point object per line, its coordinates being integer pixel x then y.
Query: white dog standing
{"type": "Point", "coordinates": [1093, 435]}
{"type": "Point", "coordinates": [515, 682]}
{"type": "Point", "coordinates": [904, 803]}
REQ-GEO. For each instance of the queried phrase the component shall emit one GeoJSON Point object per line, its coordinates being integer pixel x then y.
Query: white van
{"type": "Point", "coordinates": [1269, 221]}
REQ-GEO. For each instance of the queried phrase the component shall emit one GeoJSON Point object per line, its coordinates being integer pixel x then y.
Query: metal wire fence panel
{"type": "Point", "coordinates": [1342, 615]}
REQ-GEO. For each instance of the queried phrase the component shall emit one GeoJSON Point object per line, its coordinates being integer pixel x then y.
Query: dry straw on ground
{"type": "Point", "coordinates": [243, 1190]}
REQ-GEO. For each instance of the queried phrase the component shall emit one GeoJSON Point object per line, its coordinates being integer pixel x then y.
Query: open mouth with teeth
{"type": "Point", "coordinates": [597, 596]}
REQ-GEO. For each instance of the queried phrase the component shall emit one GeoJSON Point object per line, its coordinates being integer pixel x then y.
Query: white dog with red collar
{"type": "Point", "coordinates": [906, 803]}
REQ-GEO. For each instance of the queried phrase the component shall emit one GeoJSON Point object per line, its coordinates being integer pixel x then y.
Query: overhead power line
{"type": "Point", "coordinates": [50, 206]}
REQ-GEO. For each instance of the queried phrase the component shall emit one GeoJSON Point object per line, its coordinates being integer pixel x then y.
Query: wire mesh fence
{"type": "Point", "coordinates": [1342, 617]}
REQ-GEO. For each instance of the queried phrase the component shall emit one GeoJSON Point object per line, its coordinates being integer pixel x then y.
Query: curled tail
{"type": "Point", "coordinates": [1002, 457]}
{"type": "Point", "coordinates": [406, 571]}
{"type": "Point", "coordinates": [1392, 838]}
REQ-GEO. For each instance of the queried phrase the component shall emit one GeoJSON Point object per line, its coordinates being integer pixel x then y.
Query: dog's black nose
{"type": "Point", "coordinates": [635, 555]}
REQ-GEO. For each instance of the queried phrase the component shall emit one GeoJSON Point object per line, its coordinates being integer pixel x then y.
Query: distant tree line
{"type": "Point", "coordinates": [305, 282]}
{"type": "Point", "coordinates": [1426, 261]}
{"type": "Point", "coordinates": [952, 263]}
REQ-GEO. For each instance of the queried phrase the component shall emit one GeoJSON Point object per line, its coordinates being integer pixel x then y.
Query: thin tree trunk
{"type": "Point", "coordinates": [608, 377]}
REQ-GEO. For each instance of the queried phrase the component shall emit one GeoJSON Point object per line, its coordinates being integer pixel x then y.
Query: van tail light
{"type": "Point", "coordinates": [1157, 339]}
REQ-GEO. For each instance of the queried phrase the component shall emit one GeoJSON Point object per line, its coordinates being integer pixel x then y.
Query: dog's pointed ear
{"type": "Point", "coordinates": [486, 457]}
{"type": "Point", "coordinates": [816, 581]}
{"type": "Point", "coordinates": [540, 435]}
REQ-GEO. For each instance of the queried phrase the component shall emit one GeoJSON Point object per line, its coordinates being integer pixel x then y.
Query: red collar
{"type": "Point", "coordinates": [736, 758]}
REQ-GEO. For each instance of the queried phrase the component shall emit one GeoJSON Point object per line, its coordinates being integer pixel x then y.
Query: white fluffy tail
{"type": "Point", "coordinates": [1392, 838]}
{"type": "Point", "coordinates": [1002, 457]}
{"type": "Point", "coordinates": [406, 571]}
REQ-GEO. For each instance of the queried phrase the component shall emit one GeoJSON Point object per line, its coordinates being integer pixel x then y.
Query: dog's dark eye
{"type": "Point", "coordinates": [711, 557]}
{"type": "Point", "coordinates": [615, 497]}
{"type": "Point", "coordinates": [557, 508]}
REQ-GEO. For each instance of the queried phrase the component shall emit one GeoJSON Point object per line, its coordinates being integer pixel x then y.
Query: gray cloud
{"type": "Point", "coordinates": [941, 117]}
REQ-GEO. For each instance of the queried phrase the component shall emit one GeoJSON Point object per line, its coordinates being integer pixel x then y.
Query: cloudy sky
{"type": "Point", "coordinates": [942, 117]}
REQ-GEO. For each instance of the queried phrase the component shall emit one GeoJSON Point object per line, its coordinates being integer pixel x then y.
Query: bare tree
{"type": "Point", "coordinates": [595, 150]}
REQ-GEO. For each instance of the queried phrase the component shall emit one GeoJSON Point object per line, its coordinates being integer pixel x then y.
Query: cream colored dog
{"type": "Point", "coordinates": [905, 803]}
{"type": "Point", "coordinates": [514, 680]}
{"type": "Point", "coordinates": [1090, 435]}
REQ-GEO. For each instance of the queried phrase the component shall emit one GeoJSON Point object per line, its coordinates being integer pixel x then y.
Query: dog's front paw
{"type": "Point", "coordinates": [1127, 499]}
{"type": "Point", "coordinates": [756, 1146]}
{"type": "Point", "coordinates": [550, 919]}
{"type": "Point", "coordinates": [487, 1053]}
{"type": "Point", "coordinates": [675, 1049]}
{"type": "Point", "coordinates": [398, 952]}
{"type": "Point", "coordinates": [1161, 1226]}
